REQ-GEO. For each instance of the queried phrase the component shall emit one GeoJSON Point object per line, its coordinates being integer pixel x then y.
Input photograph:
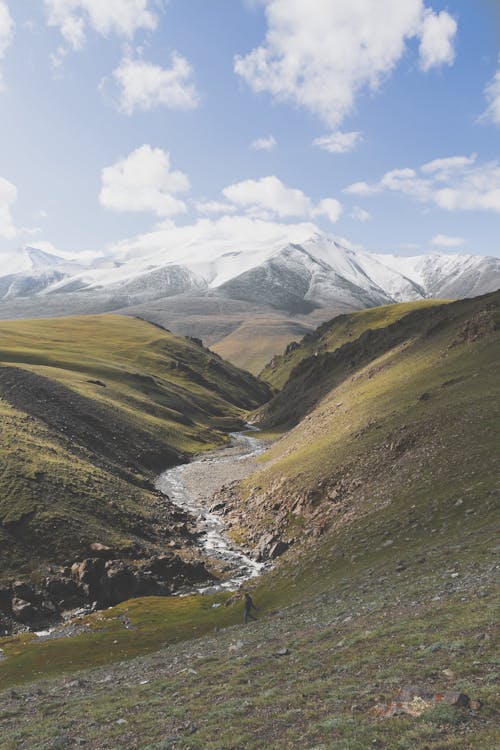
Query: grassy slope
{"type": "Point", "coordinates": [267, 335]}
{"type": "Point", "coordinates": [76, 455]}
{"type": "Point", "coordinates": [333, 333]}
{"type": "Point", "coordinates": [397, 588]}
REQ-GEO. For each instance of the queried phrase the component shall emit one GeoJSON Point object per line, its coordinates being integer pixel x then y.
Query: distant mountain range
{"type": "Point", "coordinates": [308, 282]}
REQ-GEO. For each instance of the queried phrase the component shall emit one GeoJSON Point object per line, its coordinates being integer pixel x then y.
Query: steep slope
{"type": "Point", "coordinates": [332, 334]}
{"type": "Point", "coordinates": [92, 408]}
{"type": "Point", "coordinates": [448, 275]}
{"type": "Point", "coordinates": [297, 281]}
{"type": "Point", "coordinates": [406, 410]}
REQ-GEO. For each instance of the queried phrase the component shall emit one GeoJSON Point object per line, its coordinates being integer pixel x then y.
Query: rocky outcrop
{"type": "Point", "coordinates": [415, 701]}
{"type": "Point", "coordinates": [98, 582]}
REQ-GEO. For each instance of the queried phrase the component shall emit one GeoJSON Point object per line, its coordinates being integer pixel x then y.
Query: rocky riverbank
{"type": "Point", "coordinates": [200, 557]}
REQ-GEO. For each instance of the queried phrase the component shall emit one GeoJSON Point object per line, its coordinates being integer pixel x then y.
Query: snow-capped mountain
{"type": "Point", "coordinates": [296, 278]}
{"type": "Point", "coordinates": [30, 271]}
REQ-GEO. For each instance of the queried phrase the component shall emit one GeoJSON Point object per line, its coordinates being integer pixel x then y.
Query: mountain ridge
{"type": "Point", "coordinates": [319, 272]}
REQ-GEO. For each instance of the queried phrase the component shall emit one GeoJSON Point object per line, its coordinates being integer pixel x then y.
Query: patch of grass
{"type": "Point", "coordinates": [154, 622]}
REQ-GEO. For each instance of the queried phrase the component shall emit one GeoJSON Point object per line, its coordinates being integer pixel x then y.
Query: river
{"type": "Point", "coordinates": [191, 487]}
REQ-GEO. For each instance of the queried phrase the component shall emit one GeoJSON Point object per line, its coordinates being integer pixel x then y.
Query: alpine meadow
{"type": "Point", "coordinates": [249, 375]}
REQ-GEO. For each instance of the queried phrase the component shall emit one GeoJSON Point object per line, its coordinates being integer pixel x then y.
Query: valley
{"type": "Point", "coordinates": [373, 508]}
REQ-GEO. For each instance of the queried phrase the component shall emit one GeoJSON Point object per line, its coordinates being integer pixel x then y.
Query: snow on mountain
{"type": "Point", "coordinates": [28, 271]}
{"type": "Point", "coordinates": [318, 272]}
{"type": "Point", "coordinates": [448, 275]}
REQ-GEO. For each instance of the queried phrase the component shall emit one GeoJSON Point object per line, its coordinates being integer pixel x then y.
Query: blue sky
{"type": "Point", "coordinates": [122, 121]}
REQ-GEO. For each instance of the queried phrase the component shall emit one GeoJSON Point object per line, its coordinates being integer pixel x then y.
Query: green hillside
{"type": "Point", "coordinates": [386, 490]}
{"type": "Point", "coordinates": [334, 333]}
{"type": "Point", "coordinates": [92, 408]}
{"type": "Point", "coordinates": [393, 414]}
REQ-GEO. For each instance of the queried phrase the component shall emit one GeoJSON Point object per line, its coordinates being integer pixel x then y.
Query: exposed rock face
{"type": "Point", "coordinates": [22, 590]}
{"type": "Point", "coordinates": [64, 591]}
{"type": "Point", "coordinates": [23, 611]}
{"type": "Point", "coordinates": [96, 581]}
{"type": "Point", "coordinates": [270, 547]}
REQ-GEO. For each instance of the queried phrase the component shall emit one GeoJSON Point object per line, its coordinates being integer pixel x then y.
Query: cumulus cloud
{"type": "Point", "coordinates": [6, 32]}
{"type": "Point", "coordinates": [360, 214]}
{"type": "Point", "coordinates": [455, 184]}
{"type": "Point", "coordinates": [215, 207]}
{"type": "Point", "coordinates": [436, 44]}
{"type": "Point", "coordinates": [264, 144]}
{"type": "Point", "coordinates": [329, 207]}
{"type": "Point", "coordinates": [444, 240]}
{"type": "Point", "coordinates": [492, 93]}
{"type": "Point", "coordinates": [122, 17]}
{"type": "Point", "coordinates": [268, 194]}
{"type": "Point", "coordinates": [144, 181]}
{"type": "Point", "coordinates": [145, 86]}
{"type": "Point", "coordinates": [338, 142]}
{"type": "Point", "coordinates": [8, 196]}
{"type": "Point", "coordinates": [207, 235]}
{"type": "Point", "coordinates": [322, 60]}
{"type": "Point", "coordinates": [448, 165]}
{"type": "Point", "coordinates": [270, 197]}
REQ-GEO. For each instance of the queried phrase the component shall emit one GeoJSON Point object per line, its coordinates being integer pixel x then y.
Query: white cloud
{"type": "Point", "coordinates": [455, 184]}
{"type": "Point", "coordinates": [361, 188]}
{"type": "Point", "coordinates": [6, 32]}
{"type": "Point", "coordinates": [145, 86]}
{"type": "Point", "coordinates": [492, 92]}
{"type": "Point", "coordinates": [444, 240]}
{"type": "Point", "coordinates": [449, 164]}
{"type": "Point", "coordinates": [213, 235]}
{"type": "Point", "coordinates": [264, 144]}
{"type": "Point", "coordinates": [143, 181]}
{"type": "Point", "coordinates": [338, 142]}
{"type": "Point", "coordinates": [269, 197]}
{"type": "Point", "coordinates": [269, 194]}
{"type": "Point", "coordinates": [360, 214]}
{"type": "Point", "coordinates": [215, 207]}
{"type": "Point", "coordinates": [436, 44]}
{"type": "Point", "coordinates": [8, 196]}
{"type": "Point", "coordinates": [121, 17]}
{"type": "Point", "coordinates": [329, 207]}
{"type": "Point", "coordinates": [322, 59]}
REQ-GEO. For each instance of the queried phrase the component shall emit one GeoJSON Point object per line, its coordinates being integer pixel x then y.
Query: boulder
{"type": "Point", "coordinates": [122, 583]}
{"type": "Point", "coordinates": [148, 585]}
{"type": "Point", "coordinates": [453, 698]}
{"type": "Point", "coordinates": [278, 549]}
{"type": "Point", "coordinates": [65, 592]}
{"type": "Point", "coordinates": [24, 611]}
{"type": "Point", "coordinates": [23, 590]}
{"type": "Point", "coordinates": [164, 566]}
{"type": "Point", "coordinates": [102, 550]}
{"type": "Point", "coordinates": [91, 573]}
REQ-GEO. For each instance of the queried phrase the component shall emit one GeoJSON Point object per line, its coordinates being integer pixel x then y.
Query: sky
{"type": "Point", "coordinates": [129, 121]}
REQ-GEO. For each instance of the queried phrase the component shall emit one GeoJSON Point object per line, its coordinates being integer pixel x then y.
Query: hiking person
{"type": "Point", "coordinates": [249, 605]}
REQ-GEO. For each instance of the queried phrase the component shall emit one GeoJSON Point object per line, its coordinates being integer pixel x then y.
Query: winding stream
{"type": "Point", "coordinates": [190, 486]}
